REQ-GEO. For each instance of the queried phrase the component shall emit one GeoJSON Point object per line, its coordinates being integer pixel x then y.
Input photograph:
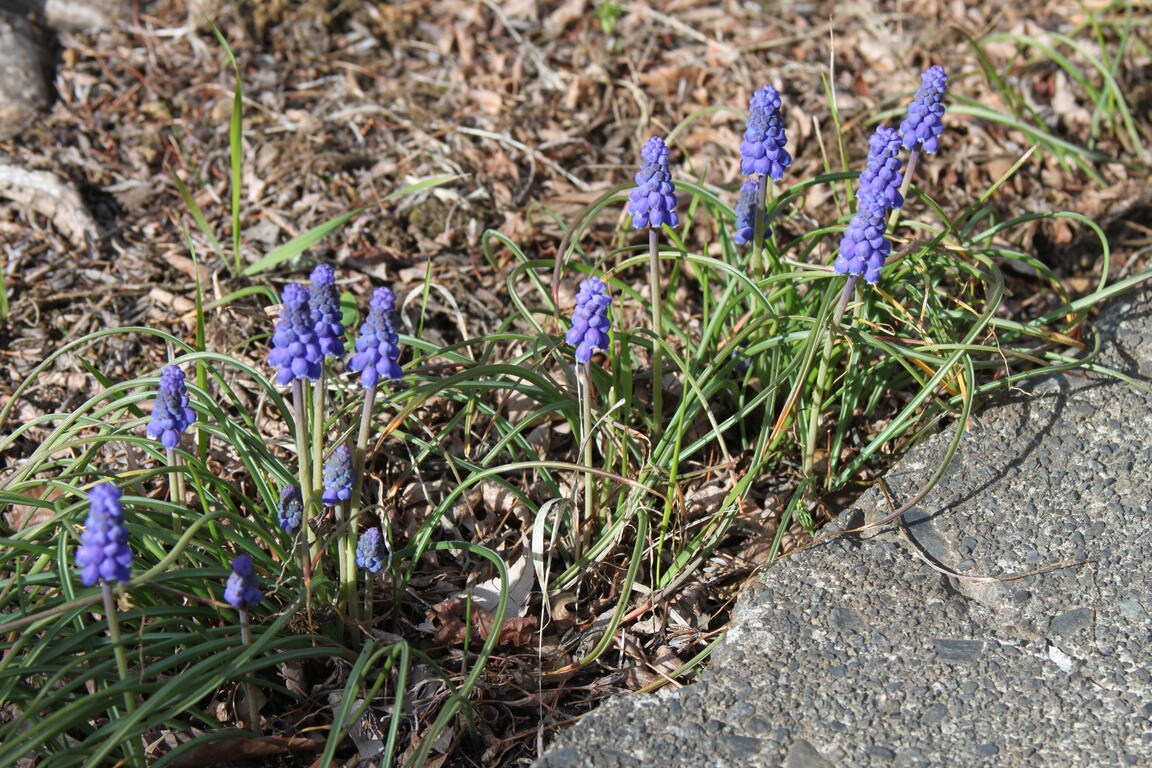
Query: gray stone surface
{"type": "Point", "coordinates": [74, 14]}
{"type": "Point", "coordinates": [23, 82]}
{"type": "Point", "coordinates": [856, 653]}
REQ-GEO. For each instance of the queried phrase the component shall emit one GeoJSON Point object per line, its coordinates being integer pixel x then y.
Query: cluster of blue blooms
{"type": "Point", "coordinates": [310, 329]}
{"type": "Point", "coordinates": [864, 247]}
{"type": "Point", "coordinates": [103, 553]}
{"type": "Point", "coordinates": [590, 323]}
{"type": "Point", "coordinates": [653, 201]}
{"type": "Point", "coordinates": [378, 348]}
{"type": "Point", "coordinates": [338, 477]}
{"type": "Point", "coordinates": [370, 551]}
{"type": "Point", "coordinates": [242, 591]}
{"type": "Point", "coordinates": [171, 413]}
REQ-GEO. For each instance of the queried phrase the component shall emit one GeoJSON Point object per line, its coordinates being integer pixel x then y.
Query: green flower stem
{"type": "Point", "coordinates": [759, 225]}
{"type": "Point", "coordinates": [359, 461]}
{"type": "Point", "coordinates": [176, 487]}
{"type": "Point", "coordinates": [249, 688]}
{"type": "Point", "coordinates": [346, 568]}
{"type": "Point", "coordinates": [305, 476]}
{"type": "Point", "coordinates": [905, 185]}
{"type": "Point", "coordinates": [135, 755]}
{"type": "Point", "coordinates": [657, 331]}
{"type": "Point", "coordinates": [584, 395]}
{"type": "Point", "coordinates": [318, 401]}
{"type": "Point", "coordinates": [845, 297]}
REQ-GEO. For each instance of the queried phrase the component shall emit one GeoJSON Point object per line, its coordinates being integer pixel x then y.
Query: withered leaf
{"type": "Point", "coordinates": [448, 617]}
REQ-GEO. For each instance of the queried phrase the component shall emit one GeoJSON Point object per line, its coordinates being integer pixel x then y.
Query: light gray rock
{"type": "Point", "coordinates": [23, 82]}
{"type": "Point", "coordinates": [856, 653]}
{"type": "Point", "coordinates": [75, 15]}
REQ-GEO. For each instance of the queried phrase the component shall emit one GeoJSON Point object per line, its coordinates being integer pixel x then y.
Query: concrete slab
{"type": "Point", "coordinates": [856, 653]}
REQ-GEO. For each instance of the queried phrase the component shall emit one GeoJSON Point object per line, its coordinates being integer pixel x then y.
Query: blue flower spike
{"type": "Point", "coordinates": [324, 303]}
{"type": "Point", "coordinates": [370, 551]}
{"type": "Point", "coordinates": [171, 413]}
{"type": "Point", "coordinates": [103, 554]}
{"type": "Point", "coordinates": [338, 477]}
{"type": "Point", "coordinates": [290, 509]}
{"type": "Point", "coordinates": [296, 348]}
{"type": "Point", "coordinates": [881, 176]}
{"type": "Point", "coordinates": [762, 150]}
{"type": "Point", "coordinates": [864, 247]}
{"type": "Point", "coordinates": [242, 591]}
{"type": "Point", "coordinates": [745, 207]}
{"type": "Point", "coordinates": [590, 323]}
{"type": "Point", "coordinates": [653, 202]}
{"type": "Point", "coordinates": [378, 348]}
{"type": "Point", "coordinates": [924, 123]}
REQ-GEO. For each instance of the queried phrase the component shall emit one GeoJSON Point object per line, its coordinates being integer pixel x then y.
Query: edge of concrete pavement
{"type": "Point", "coordinates": [857, 653]}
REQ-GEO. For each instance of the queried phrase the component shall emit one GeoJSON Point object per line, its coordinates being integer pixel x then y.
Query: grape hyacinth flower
{"type": "Point", "coordinates": [103, 553]}
{"type": "Point", "coordinates": [762, 150]}
{"type": "Point", "coordinates": [745, 206]}
{"type": "Point", "coordinates": [324, 303]}
{"type": "Point", "coordinates": [881, 176]}
{"type": "Point", "coordinates": [864, 247]}
{"type": "Point", "coordinates": [370, 551]}
{"type": "Point", "coordinates": [290, 510]}
{"type": "Point", "coordinates": [378, 348]}
{"type": "Point", "coordinates": [590, 323]}
{"type": "Point", "coordinates": [171, 414]}
{"type": "Point", "coordinates": [923, 124]}
{"type": "Point", "coordinates": [653, 201]}
{"type": "Point", "coordinates": [241, 590]}
{"type": "Point", "coordinates": [296, 348]}
{"type": "Point", "coordinates": [338, 477]}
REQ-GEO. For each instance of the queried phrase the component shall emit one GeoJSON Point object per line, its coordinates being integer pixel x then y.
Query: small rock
{"type": "Point", "coordinates": [23, 81]}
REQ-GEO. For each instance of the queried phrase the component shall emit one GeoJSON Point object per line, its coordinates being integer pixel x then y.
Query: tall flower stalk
{"type": "Point", "coordinates": [652, 204]}
{"type": "Point", "coordinates": [370, 556]}
{"type": "Point", "coordinates": [338, 481]}
{"type": "Point", "coordinates": [762, 154]}
{"type": "Point", "coordinates": [297, 353]}
{"type": "Point", "coordinates": [863, 251]}
{"type": "Point", "coordinates": [171, 415]}
{"type": "Point", "coordinates": [589, 333]}
{"type": "Point", "coordinates": [105, 558]}
{"type": "Point", "coordinates": [324, 306]}
{"type": "Point", "coordinates": [377, 357]}
{"type": "Point", "coordinates": [241, 592]}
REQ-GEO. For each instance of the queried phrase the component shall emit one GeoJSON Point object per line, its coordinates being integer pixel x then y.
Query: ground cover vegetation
{"type": "Point", "coordinates": [365, 510]}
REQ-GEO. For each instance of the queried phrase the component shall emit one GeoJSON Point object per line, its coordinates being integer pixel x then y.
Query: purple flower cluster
{"type": "Point", "coordinates": [745, 209]}
{"type": "Point", "coordinates": [762, 150]}
{"type": "Point", "coordinates": [338, 477]}
{"type": "Point", "coordinates": [296, 349]}
{"type": "Point", "coordinates": [590, 323]}
{"type": "Point", "coordinates": [103, 553]}
{"type": "Point", "coordinates": [370, 551]}
{"type": "Point", "coordinates": [864, 247]}
{"type": "Point", "coordinates": [881, 177]}
{"type": "Point", "coordinates": [290, 509]}
{"type": "Point", "coordinates": [324, 303]}
{"type": "Point", "coordinates": [242, 591]}
{"type": "Point", "coordinates": [378, 348]}
{"type": "Point", "coordinates": [171, 414]}
{"type": "Point", "coordinates": [923, 125]}
{"type": "Point", "coordinates": [653, 201]}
